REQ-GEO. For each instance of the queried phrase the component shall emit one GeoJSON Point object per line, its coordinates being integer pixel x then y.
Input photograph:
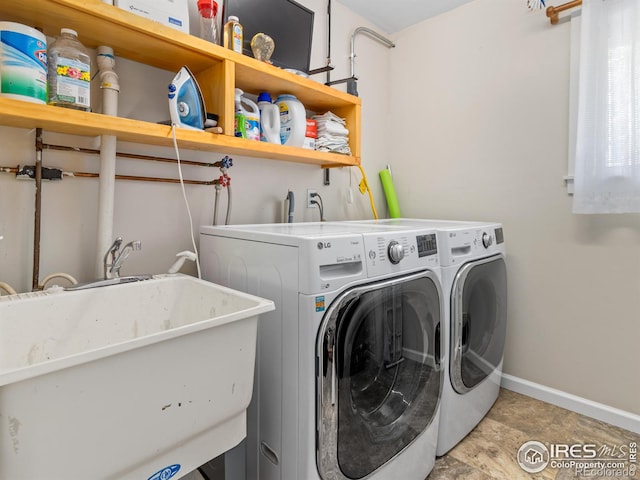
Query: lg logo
{"type": "Point", "coordinates": [322, 245]}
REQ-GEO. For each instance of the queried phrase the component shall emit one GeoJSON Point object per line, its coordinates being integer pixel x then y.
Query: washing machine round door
{"type": "Point", "coordinates": [478, 321]}
{"type": "Point", "coordinates": [379, 378]}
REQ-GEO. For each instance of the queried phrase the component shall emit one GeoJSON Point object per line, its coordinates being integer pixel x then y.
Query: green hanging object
{"type": "Point", "coordinates": [390, 193]}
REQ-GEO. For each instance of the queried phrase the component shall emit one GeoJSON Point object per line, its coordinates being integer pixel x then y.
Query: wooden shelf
{"type": "Point", "coordinates": [218, 71]}
{"type": "Point", "coordinates": [16, 113]}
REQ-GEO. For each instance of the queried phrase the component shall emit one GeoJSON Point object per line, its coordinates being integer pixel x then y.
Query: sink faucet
{"type": "Point", "coordinates": [114, 260]}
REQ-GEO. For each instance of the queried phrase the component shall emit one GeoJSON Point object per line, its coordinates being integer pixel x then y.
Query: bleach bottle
{"type": "Point", "coordinates": [269, 119]}
{"type": "Point", "coordinates": [249, 111]}
{"type": "Point", "coordinates": [293, 120]}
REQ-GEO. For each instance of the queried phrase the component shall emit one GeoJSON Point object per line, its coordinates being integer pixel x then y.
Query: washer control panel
{"type": "Point", "coordinates": [487, 240]}
{"type": "Point", "coordinates": [391, 252]}
{"type": "Point", "coordinates": [395, 252]}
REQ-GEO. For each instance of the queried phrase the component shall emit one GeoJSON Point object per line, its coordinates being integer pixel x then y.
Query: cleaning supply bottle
{"type": "Point", "coordinates": [251, 114]}
{"type": "Point", "coordinates": [293, 120]}
{"type": "Point", "coordinates": [233, 34]}
{"type": "Point", "coordinates": [269, 119]}
{"type": "Point", "coordinates": [69, 67]}
{"type": "Point", "coordinates": [208, 10]}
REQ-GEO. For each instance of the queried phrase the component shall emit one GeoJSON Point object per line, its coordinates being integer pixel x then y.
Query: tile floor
{"type": "Point", "coordinates": [489, 451]}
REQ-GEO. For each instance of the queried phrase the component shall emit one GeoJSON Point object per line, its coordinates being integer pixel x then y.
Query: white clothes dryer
{"type": "Point", "coordinates": [348, 374]}
{"type": "Point", "coordinates": [472, 258]}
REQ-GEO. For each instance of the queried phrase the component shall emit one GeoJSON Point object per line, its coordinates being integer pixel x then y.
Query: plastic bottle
{"type": "Point", "coordinates": [233, 34]}
{"type": "Point", "coordinates": [69, 67]}
{"type": "Point", "coordinates": [208, 10]}
{"type": "Point", "coordinates": [269, 119]}
{"type": "Point", "coordinates": [251, 113]}
{"type": "Point", "coordinates": [293, 120]}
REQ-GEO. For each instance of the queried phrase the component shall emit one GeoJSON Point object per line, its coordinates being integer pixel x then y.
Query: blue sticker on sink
{"type": "Point", "coordinates": [166, 473]}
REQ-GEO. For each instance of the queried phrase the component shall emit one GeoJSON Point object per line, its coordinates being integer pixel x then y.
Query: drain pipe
{"type": "Point", "coordinates": [106, 197]}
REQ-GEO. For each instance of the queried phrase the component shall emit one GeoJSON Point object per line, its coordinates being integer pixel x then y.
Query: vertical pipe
{"type": "Point", "coordinates": [38, 211]}
{"type": "Point", "coordinates": [108, 143]}
{"type": "Point", "coordinates": [371, 33]}
{"type": "Point", "coordinates": [328, 40]}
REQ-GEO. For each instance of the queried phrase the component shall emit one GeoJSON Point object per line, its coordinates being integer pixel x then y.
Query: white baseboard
{"type": "Point", "coordinates": [599, 411]}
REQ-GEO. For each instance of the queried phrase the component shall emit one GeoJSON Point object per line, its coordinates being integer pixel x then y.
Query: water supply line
{"type": "Point", "coordinates": [371, 33]}
{"type": "Point", "coordinates": [7, 288]}
{"type": "Point", "coordinates": [328, 40]}
{"type": "Point", "coordinates": [109, 84]}
{"type": "Point", "coordinates": [4, 285]}
{"type": "Point", "coordinates": [48, 173]}
{"type": "Point", "coordinates": [224, 181]}
{"type": "Point", "coordinates": [351, 81]}
{"type": "Point", "coordinates": [53, 276]}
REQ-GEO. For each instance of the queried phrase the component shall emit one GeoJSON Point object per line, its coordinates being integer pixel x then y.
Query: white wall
{"type": "Point", "coordinates": [155, 213]}
{"type": "Point", "coordinates": [480, 109]}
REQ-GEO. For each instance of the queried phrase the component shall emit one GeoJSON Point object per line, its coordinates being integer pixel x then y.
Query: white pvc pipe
{"type": "Point", "coordinates": [106, 197]}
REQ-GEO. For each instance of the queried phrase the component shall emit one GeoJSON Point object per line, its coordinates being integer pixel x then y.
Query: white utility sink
{"type": "Point", "coordinates": [144, 380]}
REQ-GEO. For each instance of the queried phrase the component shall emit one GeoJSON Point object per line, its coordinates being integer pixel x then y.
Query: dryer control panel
{"type": "Point", "coordinates": [400, 251]}
{"type": "Point", "coordinates": [460, 244]}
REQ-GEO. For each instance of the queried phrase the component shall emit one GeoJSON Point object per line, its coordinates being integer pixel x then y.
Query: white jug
{"type": "Point", "coordinates": [293, 120]}
{"type": "Point", "coordinates": [269, 119]}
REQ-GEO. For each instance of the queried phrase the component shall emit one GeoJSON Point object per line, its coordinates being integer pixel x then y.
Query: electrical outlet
{"type": "Point", "coordinates": [309, 198]}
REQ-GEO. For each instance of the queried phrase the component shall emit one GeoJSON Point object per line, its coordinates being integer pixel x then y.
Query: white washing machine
{"type": "Point", "coordinates": [348, 374]}
{"type": "Point", "coordinates": [474, 279]}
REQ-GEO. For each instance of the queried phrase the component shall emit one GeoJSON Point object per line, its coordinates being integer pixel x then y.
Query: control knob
{"type": "Point", "coordinates": [396, 252]}
{"type": "Point", "coordinates": [487, 240]}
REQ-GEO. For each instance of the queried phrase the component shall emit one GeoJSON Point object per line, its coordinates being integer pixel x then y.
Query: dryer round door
{"type": "Point", "coordinates": [478, 321]}
{"type": "Point", "coordinates": [379, 377]}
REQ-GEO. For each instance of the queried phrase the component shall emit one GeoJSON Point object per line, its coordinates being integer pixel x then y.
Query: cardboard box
{"type": "Point", "coordinates": [172, 13]}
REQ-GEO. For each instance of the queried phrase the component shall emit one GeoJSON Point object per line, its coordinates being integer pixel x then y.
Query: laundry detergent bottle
{"type": "Point", "coordinates": [293, 120]}
{"type": "Point", "coordinates": [269, 119]}
{"type": "Point", "coordinates": [249, 113]}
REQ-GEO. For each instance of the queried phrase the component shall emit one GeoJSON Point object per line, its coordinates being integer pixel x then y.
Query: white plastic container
{"type": "Point", "coordinates": [251, 114]}
{"type": "Point", "coordinates": [269, 119]}
{"type": "Point", "coordinates": [69, 67]}
{"type": "Point", "coordinates": [23, 63]}
{"type": "Point", "coordinates": [130, 382]}
{"type": "Point", "coordinates": [293, 121]}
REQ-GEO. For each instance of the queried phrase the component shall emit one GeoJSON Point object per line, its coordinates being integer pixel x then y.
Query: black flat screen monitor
{"type": "Point", "coordinates": [286, 21]}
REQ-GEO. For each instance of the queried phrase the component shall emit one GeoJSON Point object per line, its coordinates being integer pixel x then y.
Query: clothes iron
{"type": "Point", "coordinates": [186, 104]}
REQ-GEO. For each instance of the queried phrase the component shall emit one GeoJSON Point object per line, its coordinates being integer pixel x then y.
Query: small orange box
{"type": "Point", "coordinates": [312, 129]}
